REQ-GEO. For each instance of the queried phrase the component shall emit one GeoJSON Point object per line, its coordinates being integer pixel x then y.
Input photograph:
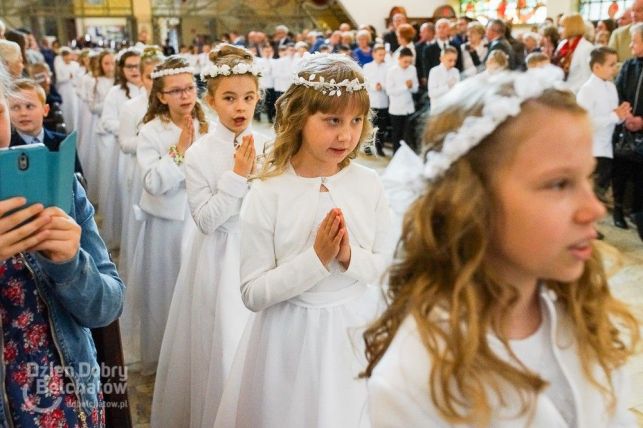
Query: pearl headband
{"type": "Point", "coordinates": [212, 70]}
{"type": "Point", "coordinates": [171, 72]}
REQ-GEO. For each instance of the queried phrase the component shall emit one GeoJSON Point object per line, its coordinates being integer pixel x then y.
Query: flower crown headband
{"type": "Point", "coordinates": [331, 87]}
{"type": "Point", "coordinates": [132, 49]}
{"type": "Point", "coordinates": [212, 70]}
{"type": "Point", "coordinates": [171, 72]}
{"type": "Point", "coordinates": [497, 108]}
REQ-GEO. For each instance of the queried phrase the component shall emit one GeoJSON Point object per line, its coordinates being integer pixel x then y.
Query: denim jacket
{"type": "Point", "coordinates": [80, 294]}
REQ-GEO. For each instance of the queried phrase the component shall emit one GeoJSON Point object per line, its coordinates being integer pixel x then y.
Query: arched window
{"type": "Point", "coordinates": [518, 11]}
{"type": "Point", "coordinates": [595, 10]}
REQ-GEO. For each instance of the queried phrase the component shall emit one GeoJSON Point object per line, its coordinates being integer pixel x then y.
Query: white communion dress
{"type": "Point", "coordinates": [301, 354]}
{"type": "Point", "coordinates": [207, 316]}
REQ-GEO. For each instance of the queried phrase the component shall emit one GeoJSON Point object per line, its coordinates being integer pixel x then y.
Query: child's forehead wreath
{"type": "Point", "coordinates": [497, 108]}
{"type": "Point", "coordinates": [328, 87]}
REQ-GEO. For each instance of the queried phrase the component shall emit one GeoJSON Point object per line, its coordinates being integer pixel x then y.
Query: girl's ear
{"type": "Point", "coordinates": [161, 97]}
{"type": "Point", "coordinates": [209, 99]}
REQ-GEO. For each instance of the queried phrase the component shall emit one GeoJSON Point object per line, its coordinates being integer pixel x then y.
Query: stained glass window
{"type": "Point", "coordinates": [518, 11]}
{"type": "Point", "coordinates": [603, 9]}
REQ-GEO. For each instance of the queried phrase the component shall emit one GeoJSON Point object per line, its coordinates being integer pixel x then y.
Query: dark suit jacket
{"type": "Point", "coordinates": [52, 141]}
{"type": "Point", "coordinates": [431, 56]}
{"type": "Point", "coordinates": [391, 38]}
{"type": "Point", "coordinates": [504, 46]}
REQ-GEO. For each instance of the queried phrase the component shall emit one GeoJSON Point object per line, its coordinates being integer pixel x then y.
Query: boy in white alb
{"type": "Point", "coordinates": [401, 83]}
{"type": "Point", "coordinates": [444, 76]}
{"type": "Point", "coordinates": [282, 69]}
{"type": "Point", "coordinates": [375, 74]}
{"type": "Point", "coordinates": [266, 83]}
{"type": "Point", "coordinates": [599, 97]}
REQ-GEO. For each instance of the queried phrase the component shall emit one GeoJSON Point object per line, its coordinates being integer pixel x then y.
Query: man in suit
{"type": "Point", "coordinates": [432, 52]}
{"type": "Point", "coordinates": [280, 38]}
{"type": "Point", "coordinates": [27, 109]}
{"type": "Point", "coordinates": [496, 36]}
{"type": "Point", "coordinates": [427, 34]}
{"type": "Point", "coordinates": [391, 37]}
{"type": "Point", "coordinates": [621, 38]}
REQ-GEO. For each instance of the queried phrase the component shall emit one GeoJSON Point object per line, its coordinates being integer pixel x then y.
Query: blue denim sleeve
{"type": "Point", "coordinates": [88, 286]}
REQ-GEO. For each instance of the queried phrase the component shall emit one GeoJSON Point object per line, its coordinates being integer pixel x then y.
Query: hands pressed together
{"type": "Point", "coordinates": [331, 241]}
{"type": "Point", "coordinates": [245, 157]}
{"type": "Point", "coordinates": [48, 230]}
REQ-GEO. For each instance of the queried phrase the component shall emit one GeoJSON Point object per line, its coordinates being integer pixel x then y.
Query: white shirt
{"type": "Point", "coordinates": [267, 80]}
{"type": "Point", "coordinates": [441, 80]}
{"type": "Point", "coordinates": [599, 97]}
{"type": "Point", "coordinates": [375, 73]}
{"type": "Point", "coordinates": [282, 72]}
{"type": "Point", "coordinates": [579, 70]}
{"type": "Point", "coordinates": [400, 96]}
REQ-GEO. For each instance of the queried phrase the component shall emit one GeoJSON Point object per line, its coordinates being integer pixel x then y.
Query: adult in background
{"type": "Point", "coordinates": [621, 37]}
{"type": "Point", "coordinates": [628, 84]}
{"type": "Point", "coordinates": [390, 38]}
{"type": "Point", "coordinates": [427, 35]}
{"type": "Point", "coordinates": [549, 40]}
{"type": "Point", "coordinates": [495, 32]}
{"type": "Point", "coordinates": [474, 50]}
{"type": "Point", "coordinates": [363, 53]}
{"type": "Point", "coordinates": [433, 51]}
{"type": "Point", "coordinates": [573, 52]}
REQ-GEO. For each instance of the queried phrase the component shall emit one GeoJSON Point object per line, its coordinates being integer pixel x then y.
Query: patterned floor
{"type": "Point", "coordinates": [623, 254]}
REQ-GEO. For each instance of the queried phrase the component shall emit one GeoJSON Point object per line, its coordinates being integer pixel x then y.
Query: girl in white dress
{"type": "Point", "coordinates": [207, 316]}
{"type": "Point", "coordinates": [131, 121]}
{"type": "Point", "coordinates": [111, 168]}
{"type": "Point", "coordinates": [83, 112]}
{"type": "Point", "coordinates": [174, 119]}
{"type": "Point", "coordinates": [500, 314]}
{"type": "Point", "coordinates": [314, 235]}
{"type": "Point", "coordinates": [97, 90]}
{"type": "Point", "coordinates": [66, 71]}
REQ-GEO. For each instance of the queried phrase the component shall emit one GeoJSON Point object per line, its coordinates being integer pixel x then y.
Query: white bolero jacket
{"type": "Point", "coordinates": [277, 217]}
{"type": "Point", "coordinates": [399, 393]}
{"type": "Point", "coordinates": [164, 193]}
{"type": "Point", "coordinates": [215, 192]}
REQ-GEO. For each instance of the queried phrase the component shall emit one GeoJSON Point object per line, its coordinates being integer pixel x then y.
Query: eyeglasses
{"type": "Point", "coordinates": [131, 66]}
{"type": "Point", "coordinates": [180, 91]}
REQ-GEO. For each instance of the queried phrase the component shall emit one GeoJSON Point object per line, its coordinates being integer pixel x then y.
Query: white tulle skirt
{"type": "Point", "coordinates": [206, 322]}
{"type": "Point", "coordinates": [298, 363]}
{"type": "Point", "coordinates": [109, 203]}
{"type": "Point", "coordinates": [155, 267]}
{"type": "Point", "coordinates": [90, 158]}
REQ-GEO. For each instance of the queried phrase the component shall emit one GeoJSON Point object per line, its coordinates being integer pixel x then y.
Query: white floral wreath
{"type": "Point", "coordinates": [212, 70]}
{"type": "Point", "coordinates": [330, 88]}
{"type": "Point", "coordinates": [132, 49]}
{"type": "Point", "coordinates": [172, 71]}
{"type": "Point", "coordinates": [496, 109]}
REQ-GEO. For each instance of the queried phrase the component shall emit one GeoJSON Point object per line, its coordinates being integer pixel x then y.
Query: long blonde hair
{"type": "Point", "coordinates": [157, 108]}
{"type": "Point", "coordinates": [299, 102]}
{"type": "Point", "coordinates": [442, 270]}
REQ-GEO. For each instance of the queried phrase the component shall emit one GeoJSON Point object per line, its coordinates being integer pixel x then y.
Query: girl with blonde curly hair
{"type": "Point", "coordinates": [499, 311]}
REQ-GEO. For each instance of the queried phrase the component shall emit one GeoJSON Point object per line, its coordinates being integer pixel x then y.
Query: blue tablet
{"type": "Point", "coordinates": [38, 174]}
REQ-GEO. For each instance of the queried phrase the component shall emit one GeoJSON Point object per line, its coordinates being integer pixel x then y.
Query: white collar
{"type": "Point", "coordinates": [222, 133]}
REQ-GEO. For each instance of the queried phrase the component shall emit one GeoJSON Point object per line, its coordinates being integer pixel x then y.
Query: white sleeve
{"type": "Point", "coordinates": [263, 283]}
{"type": "Point", "coordinates": [368, 264]}
{"type": "Point", "coordinates": [414, 78]}
{"type": "Point", "coordinates": [212, 207]}
{"type": "Point", "coordinates": [160, 173]}
{"type": "Point", "coordinates": [127, 131]}
{"type": "Point", "coordinates": [109, 117]}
